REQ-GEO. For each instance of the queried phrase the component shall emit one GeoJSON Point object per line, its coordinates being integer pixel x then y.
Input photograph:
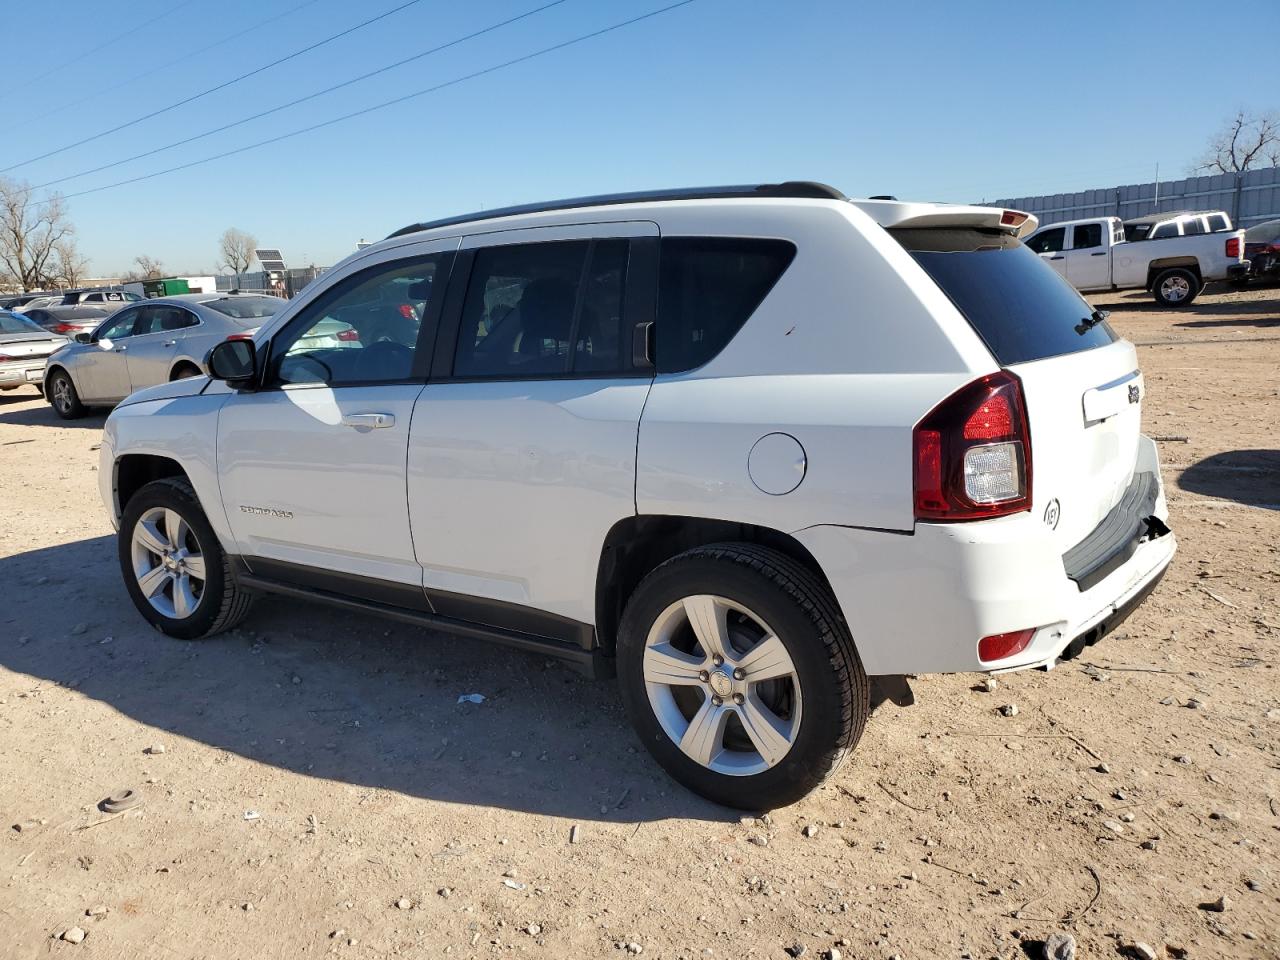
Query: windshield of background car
{"type": "Point", "coordinates": [12, 323]}
{"type": "Point", "coordinates": [246, 308]}
{"type": "Point", "coordinates": [1268, 232]}
{"type": "Point", "coordinates": [1018, 304]}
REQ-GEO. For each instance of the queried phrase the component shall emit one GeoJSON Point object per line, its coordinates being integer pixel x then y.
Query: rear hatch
{"type": "Point", "coordinates": [1081, 382]}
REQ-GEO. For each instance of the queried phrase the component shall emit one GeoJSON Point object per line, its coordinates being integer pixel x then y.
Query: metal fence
{"type": "Point", "coordinates": [1249, 197]}
{"type": "Point", "coordinates": [294, 280]}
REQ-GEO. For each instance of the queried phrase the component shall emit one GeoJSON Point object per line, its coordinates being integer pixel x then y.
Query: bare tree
{"type": "Point", "coordinates": [235, 248]}
{"type": "Point", "coordinates": [30, 229]}
{"type": "Point", "coordinates": [69, 265]}
{"type": "Point", "coordinates": [149, 268]}
{"type": "Point", "coordinates": [1245, 143]}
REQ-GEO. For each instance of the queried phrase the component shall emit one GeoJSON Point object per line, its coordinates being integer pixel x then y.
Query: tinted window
{"type": "Point", "coordinates": [1164, 230]}
{"type": "Point", "coordinates": [1192, 227]}
{"type": "Point", "coordinates": [1117, 231]}
{"type": "Point", "coordinates": [1137, 231]}
{"type": "Point", "coordinates": [362, 330]}
{"type": "Point", "coordinates": [1219, 221]}
{"type": "Point", "coordinates": [1051, 241]}
{"type": "Point", "coordinates": [707, 289]}
{"type": "Point", "coordinates": [162, 318]}
{"type": "Point", "coordinates": [1021, 308]}
{"type": "Point", "coordinates": [12, 323]}
{"type": "Point", "coordinates": [246, 308]}
{"type": "Point", "coordinates": [121, 325]}
{"type": "Point", "coordinates": [1086, 235]}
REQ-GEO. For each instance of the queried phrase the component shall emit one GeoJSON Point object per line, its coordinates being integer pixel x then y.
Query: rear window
{"type": "Point", "coordinates": [12, 323]}
{"type": "Point", "coordinates": [1136, 231]}
{"type": "Point", "coordinates": [246, 308]}
{"type": "Point", "coordinates": [1020, 307]}
{"type": "Point", "coordinates": [1263, 232]}
{"type": "Point", "coordinates": [707, 289]}
{"type": "Point", "coordinates": [80, 313]}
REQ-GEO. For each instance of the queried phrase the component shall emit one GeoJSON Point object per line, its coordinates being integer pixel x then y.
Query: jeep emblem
{"type": "Point", "coordinates": [1052, 513]}
{"type": "Point", "coordinates": [1134, 393]}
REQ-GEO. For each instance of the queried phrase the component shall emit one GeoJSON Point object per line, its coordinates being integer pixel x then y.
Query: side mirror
{"type": "Point", "coordinates": [84, 338]}
{"type": "Point", "coordinates": [234, 361]}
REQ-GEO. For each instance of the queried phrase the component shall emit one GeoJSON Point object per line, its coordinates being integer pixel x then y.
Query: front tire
{"type": "Point", "coordinates": [173, 566]}
{"type": "Point", "coordinates": [1176, 287]}
{"type": "Point", "coordinates": [740, 676]}
{"type": "Point", "coordinates": [63, 396]}
{"type": "Point", "coordinates": [184, 371]}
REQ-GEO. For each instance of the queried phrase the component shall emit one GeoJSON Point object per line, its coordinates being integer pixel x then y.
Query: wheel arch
{"type": "Point", "coordinates": [635, 545]}
{"type": "Point", "coordinates": [1156, 267]}
{"type": "Point", "coordinates": [181, 364]}
{"type": "Point", "coordinates": [132, 471]}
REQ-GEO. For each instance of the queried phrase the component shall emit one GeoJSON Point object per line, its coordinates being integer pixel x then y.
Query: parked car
{"type": "Point", "coordinates": [746, 445]}
{"type": "Point", "coordinates": [1186, 223]}
{"type": "Point", "coordinates": [1262, 247]}
{"type": "Point", "coordinates": [23, 349]}
{"type": "Point", "coordinates": [67, 321]}
{"type": "Point", "coordinates": [31, 301]}
{"type": "Point", "coordinates": [147, 343]}
{"type": "Point", "coordinates": [108, 299]}
{"type": "Point", "coordinates": [1094, 255]}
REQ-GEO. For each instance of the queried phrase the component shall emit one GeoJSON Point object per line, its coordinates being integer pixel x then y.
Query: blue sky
{"type": "Point", "coordinates": [940, 101]}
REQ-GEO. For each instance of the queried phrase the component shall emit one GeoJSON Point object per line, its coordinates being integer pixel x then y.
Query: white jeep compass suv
{"type": "Point", "coordinates": [747, 446]}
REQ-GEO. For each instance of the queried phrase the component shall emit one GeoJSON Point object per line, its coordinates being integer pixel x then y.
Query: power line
{"type": "Point", "coordinates": [388, 103]}
{"type": "Point", "coordinates": [310, 96]}
{"type": "Point", "coordinates": [221, 86]}
{"type": "Point", "coordinates": [102, 46]}
{"type": "Point", "coordinates": [187, 55]}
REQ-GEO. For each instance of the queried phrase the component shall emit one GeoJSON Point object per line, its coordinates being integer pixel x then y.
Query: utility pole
{"type": "Point", "coordinates": [1156, 208]}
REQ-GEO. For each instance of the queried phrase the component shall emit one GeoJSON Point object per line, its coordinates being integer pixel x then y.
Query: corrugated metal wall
{"type": "Point", "coordinates": [1249, 197]}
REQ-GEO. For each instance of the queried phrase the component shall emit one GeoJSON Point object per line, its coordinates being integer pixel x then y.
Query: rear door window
{"type": "Point", "coordinates": [1020, 307]}
{"type": "Point", "coordinates": [1086, 235]}
{"type": "Point", "coordinates": [708, 287]}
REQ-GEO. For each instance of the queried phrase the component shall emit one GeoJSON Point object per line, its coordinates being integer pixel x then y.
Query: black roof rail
{"type": "Point", "coordinates": [798, 189]}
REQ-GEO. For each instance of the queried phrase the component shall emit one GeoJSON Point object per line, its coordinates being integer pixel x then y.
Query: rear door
{"type": "Point", "coordinates": [522, 454]}
{"type": "Point", "coordinates": [1049, 245]}
{"type": "Point", "coordinates": [1088, 265]}
{"type": "Point", "coordinates": [155, 342]}
{"type": "Point", "coordinates": [1081, 382]}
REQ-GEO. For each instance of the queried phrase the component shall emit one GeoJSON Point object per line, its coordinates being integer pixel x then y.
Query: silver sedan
{"type": "Point", "coordinates": [148, 343]}
{"type": "Point", "coordinates": [23, 348]}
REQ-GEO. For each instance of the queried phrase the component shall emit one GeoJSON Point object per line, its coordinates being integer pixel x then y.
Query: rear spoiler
{"type": "Point", "coordinates": [890, 215]}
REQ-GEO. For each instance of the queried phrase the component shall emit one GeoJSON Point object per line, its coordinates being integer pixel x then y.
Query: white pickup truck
{"type": "Point", "coordinates": [1094, 255]}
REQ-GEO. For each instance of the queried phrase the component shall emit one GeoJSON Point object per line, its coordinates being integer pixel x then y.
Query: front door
{"type": "Point", "coordinates": [523, 449]}
{"type": "Point", "coordinates": [312, 465]}
{"type": "Point", "coordinates": [101, 370]}
{"type": "Point", "coordinates": [155, 343]}
{"type": "Point", "coordinates": [1088, 266]}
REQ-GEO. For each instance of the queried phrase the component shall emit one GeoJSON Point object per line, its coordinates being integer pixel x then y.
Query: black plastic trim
{"type": "Point", "coordinates": [408, 595]}
{"type": "Point", "coordinates": [797, 189]}
{"type": "Point", "coordinates": [1116, 538]}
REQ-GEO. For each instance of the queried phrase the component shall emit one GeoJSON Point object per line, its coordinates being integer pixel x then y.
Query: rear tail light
{"type": "Point", "coordinates": [349, 336]}
{"type": "Point", "coordinates": [973, 453]}
{"type": "Point", "coordinates": [5, 358]}
{"type": "Point", "coordinates": [241, 336]}
{"type": "Point", "coordinates": [1233, 247]}
{"type": "Point", "coordinates": [1003, 645]}
{"type": "Point", "coordinates": [65, 328]}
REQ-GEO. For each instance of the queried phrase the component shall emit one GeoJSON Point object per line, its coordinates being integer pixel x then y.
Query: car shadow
{"type": "Point", "coordinates": [341, 696]}
{"type": "Point", "coordinates": [1250, 477]}
{"type": "Point", "coordinates": [43, 415]}
{"type": "Point", "coordinates": [1273, 321]}
{"type": "Point", "coordinates": [1213, 302]}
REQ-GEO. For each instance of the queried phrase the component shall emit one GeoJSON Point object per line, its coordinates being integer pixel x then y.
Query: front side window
{"type": "Point", "coordinates": [708, 287]}
{"type": "Point", "coordinates": [1051, 241]}
{"type": "Point", "coordinates": [119, 326]}
{"type": "Point", "coordinates": [362, 330]}
{"type": "Point", "coordinates": [1086, 235]}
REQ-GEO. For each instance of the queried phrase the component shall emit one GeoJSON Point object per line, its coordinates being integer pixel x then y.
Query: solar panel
{"type": "Point", "coordinates": [271, 260]}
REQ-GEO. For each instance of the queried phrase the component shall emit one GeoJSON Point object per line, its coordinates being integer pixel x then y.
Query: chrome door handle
{"type": "Point", "coordinates": [169, 343]}
{"type": "Point", "coordinates": [121, 349]}
{"type": "Point", "coordinates": [369, 421]}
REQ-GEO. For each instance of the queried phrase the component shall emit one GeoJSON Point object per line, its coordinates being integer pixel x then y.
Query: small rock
{"type": "Point", "coordinates": [1126, 817]}
{"type": "Point", "coordinates": [1182, 758]}
{"type": "Point", "coordinates": [74, 935]}
{"type": "Point", "coordinates": [796, 950]}
{"type": "Point", "coordinates": [1102, 768]}
{"type": "Point", "coordinates": [513, 884]}
{"type": "Point", "coordinates": [155, 749]}
{"type": "Point", "coordinates": [811, 830]}
{"type": "Point", "coordinates": [334, 935]}
{"type": "Point", "coordinates": [573, 834]}
{"type": "Point", "coordinates": [1217, 906]}
{"type": "Point", "coordinates": [989, 685]}
{"type": "Point", "coordinates": [1114, 826]}
{"type": "Point", "coordinates": [445, 892]}
{"type": "Point", "coordinates": [634, 948]}
{"type": "Point", "coordinates": [404, 903]}
{"type": "Point", "coordinates": [1143, 951]}
{"type": "Point", "coordinates": [1254, 885]}
{"type": "Point", "coordinates": [758, 839]}
{"type": "Point", "coordinates": [1193, 704]}
{"type": "Point", "coordinates": [533, 929]}
{"type": "Point", "coordinates": [1009, 710]}
{"type": "Point", "coordinates": [97, 910]}
{"type": "Point", "coordinates": [246, 907]}
{"type": "Point", "coordinates": [833, 954]}
{"type": "Point", "coordinates": [1059, 946]}
{"type": "Point", "coordinates": [1225, 815]}
{"type": "Point", "coordinates": [252, 815]}
{"type": "Point", "coordinates": [1168, 701]}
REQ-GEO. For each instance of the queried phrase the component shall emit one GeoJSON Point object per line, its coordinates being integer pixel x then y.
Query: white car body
{"type": "Point", "coordinates": [499, 503]}
{"type": "Point", "coordinates": [1094, 255]}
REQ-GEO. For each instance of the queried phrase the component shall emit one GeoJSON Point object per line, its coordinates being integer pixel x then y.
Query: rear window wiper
{"type": "Point", "coordinates": [1091, 321]}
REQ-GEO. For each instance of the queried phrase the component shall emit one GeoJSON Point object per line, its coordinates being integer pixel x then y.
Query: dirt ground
{"type": "Point", "coordinates": [1134, 788]}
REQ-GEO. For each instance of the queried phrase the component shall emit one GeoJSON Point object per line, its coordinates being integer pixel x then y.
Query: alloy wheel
{"type": "Point", "coordinates": [168, 563]}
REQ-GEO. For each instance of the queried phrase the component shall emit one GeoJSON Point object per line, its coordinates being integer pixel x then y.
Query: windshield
{"type": "Point", "coordinates": [12, 323]}
{"type": "Point", "coordinates": [1267, 232]}
{"type": "Point", "coordinates": [246, 308]}
{"type": "Point", "coordinates": [1020, 307]}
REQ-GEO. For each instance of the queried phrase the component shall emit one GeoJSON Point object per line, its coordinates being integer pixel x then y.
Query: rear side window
{"type": "Point", "coordinates": [1165, 230]}
{"type": "Point", "coordinates": [707, 289]}
{"type": "Point", "coordinates": [1192, 227]}
{"type": "Point", "coordinates": [1050, 241]}
{"type": "Point", "coordinates": [1218, 221]}
{"type": "Point", "coordinates": [1020, 307]}
{"type": "Point", "coordinates": [1086, 235]}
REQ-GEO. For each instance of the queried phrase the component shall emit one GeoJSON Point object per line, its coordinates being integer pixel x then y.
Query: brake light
{"type": "Point", "coordinates": [5, 358]}
{"type": "Point", "coordinates": [1233, 247]}
{"type": "Point", "coordinates": [241, 336]}
{"type": "Point", "coordinates": [973, 453]}
{"type": "Point", "coordinates": [1012, 218]}
{"type": "Point", "coordinates": [64, 328]}
{"type": "Point", "coordinates": [349, 336]}
{"type": "Point", "coordinates": [1003, 645]}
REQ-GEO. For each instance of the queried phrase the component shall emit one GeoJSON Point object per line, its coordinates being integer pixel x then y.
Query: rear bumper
{"type": "Point", "coordinates": [22, 372]}
{"type": "Point", "coordinates": [920, 602]}
{"type": "Point", "coordinates": [1239, 271]}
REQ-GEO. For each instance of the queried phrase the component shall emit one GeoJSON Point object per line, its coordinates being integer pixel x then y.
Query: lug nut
{"type": "Point", "coordinates": [739, 699]}
{"type": "Point", "coordinates": [704, 676]}
{"type": "Point", "coordinates": [716, 701]}
{"type": "Point", "coordinates": [739, 674]}
{"type": "Point", "coordinates": [717, 660]}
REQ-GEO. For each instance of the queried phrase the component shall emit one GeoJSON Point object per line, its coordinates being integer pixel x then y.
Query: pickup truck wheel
{"type": "Point", "coordinates": [63, 397]}
{"type": "Point", "coordinates": [1175, 287]}
{"type": "Point", "coordinates": [173, 566]}
{"type": "Point", "coordinates": [740, 676]}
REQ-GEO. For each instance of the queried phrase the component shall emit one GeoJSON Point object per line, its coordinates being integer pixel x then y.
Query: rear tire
{"type": "Point", "coordinates": [63, 396]}
{"type": "Point", "coordinates": [790, 699]}
{"type": "Point", "coordinates": [175, 570]}
{"type": "Point", "coordinates": [1176, 287]}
